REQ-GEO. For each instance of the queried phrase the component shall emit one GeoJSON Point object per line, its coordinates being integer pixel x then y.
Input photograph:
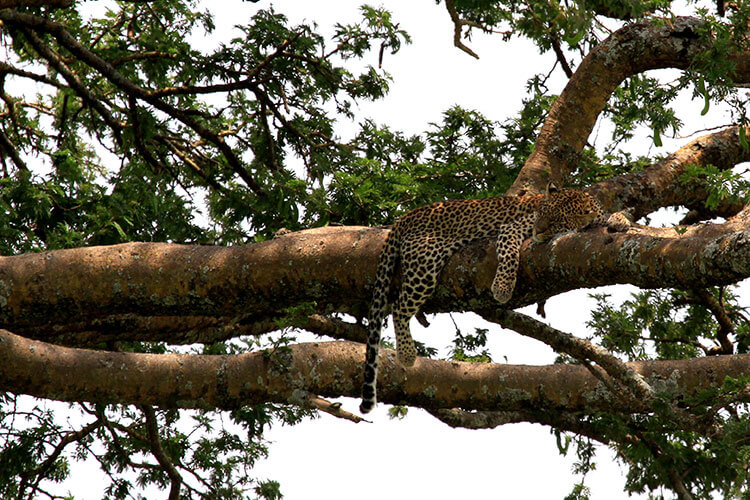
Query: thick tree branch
{"type": "Point", "coordinates": [330, 369]}
{"type": "Point", "coordinates": [334, 268]}
{"type": "Point", "coordinates": [660, 185]}
{"type": "Point", "coordinates": [631, 50]}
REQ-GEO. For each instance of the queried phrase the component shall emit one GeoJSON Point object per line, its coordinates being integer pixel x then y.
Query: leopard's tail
{"type": "Point", "coordinates": [378, 312]}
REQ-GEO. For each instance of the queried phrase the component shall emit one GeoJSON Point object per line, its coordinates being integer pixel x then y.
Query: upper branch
{"type": "Point", "coordinates": [334, 268]}
{"type": "Point", "coordinates": [30, 24]}
{"type": "Point", "coordinates": [661, 185]}
{"type": "Point", "coordinates": [631, 50]}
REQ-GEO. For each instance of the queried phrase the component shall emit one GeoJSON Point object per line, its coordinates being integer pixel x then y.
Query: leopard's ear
{"type": "Point", "coordinates": [551, 188]}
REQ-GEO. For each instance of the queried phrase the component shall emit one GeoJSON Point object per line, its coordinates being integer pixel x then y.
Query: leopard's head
{"type": "Point", "coordinates": [565, 210]}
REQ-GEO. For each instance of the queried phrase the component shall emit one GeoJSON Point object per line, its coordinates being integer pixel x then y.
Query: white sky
{"type": "Point", "coordinates": [419, 457]}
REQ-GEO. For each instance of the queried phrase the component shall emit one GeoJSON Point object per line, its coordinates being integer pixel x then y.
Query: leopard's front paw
{"type": "Point", "coordinates": [619, 221]}
{"type": "Point", "coordinates": [501, 292]}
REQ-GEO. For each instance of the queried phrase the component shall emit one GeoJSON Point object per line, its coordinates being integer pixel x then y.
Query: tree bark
{"type": "Point", "coordinates": [225, 291]}
{"type": "Point", "coordinates": [331, 369]}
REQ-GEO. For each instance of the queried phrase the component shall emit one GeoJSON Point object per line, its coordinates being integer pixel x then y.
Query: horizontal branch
{"type": "Point", "coordinates": [332, 269]}
{"type": "Point", "coordinates": [329, 369]}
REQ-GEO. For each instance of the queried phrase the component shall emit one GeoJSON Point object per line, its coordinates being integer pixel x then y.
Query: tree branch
{"type": "Point", "coordinates": [334, 268]}
{"type": "Point", "coordinates": [660, 185]}
{"type": "Point", "coordinates": [581, 349]}
{"type": "Point", "coordinates": [632, 49]}
{"type": "Point", "coordinates": [152, 428]}
{"type": "Point", "coordinates": [55, 61]}
{"type": "Point", "coordinates": [29, 23]}
{"type": "Point", "coordinates": [330, 369]}
{"type": "Point", "coordinates": [459, 23]}
{"type": "Point", "coordinates": [565, 421]}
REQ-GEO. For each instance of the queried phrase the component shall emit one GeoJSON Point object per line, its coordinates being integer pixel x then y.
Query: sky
{"type": "Point", "coordinates": [418, 456]}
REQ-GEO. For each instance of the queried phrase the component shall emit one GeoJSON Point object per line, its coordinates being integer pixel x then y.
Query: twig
{"type": "Point", "coordinates": [312, 401]}
{"type": "Point", "coordinates": [458, 23]}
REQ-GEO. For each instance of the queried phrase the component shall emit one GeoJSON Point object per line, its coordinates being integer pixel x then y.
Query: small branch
{"type": "Point", "coordinates": [561, 57]}
{"type": "Point", "coordinates": [158, 451]}
{"type": "Point", "coordinates": [332, 327]}
{"type": "Point", "coordinates": [6, 68]}
{"type": "Point", "coordinates": [139, 56]}
{"type": "Point", "coordinates": [674, 477]}
{"type": "Point", "coordinates": [311, 401]}
{"type": "Point", "coordinates": [10, 149]}
{"type": "Point", "coordinates": [185, 158]}
{"type": "Point", "coordinates": [42, 468]}
{"type": "Point", "coordinates": [458, 23]}
{"type": "Point", "coordinates": [726, 326]}
{"type": "Point", "coordinates": [565, 421]}
{"type": "Point", "coordinates": [56, 62]}
{"type": "Point", "coordinates": [580, 349]}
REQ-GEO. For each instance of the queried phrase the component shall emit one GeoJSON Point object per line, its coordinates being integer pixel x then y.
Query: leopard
{"type": "Point", "coordinates": [423, 240]}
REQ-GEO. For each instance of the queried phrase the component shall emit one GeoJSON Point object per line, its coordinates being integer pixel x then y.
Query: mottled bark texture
{"type": "Point", "coordinates": [330, 369]}
{"type": "Point", "coordinates": [629, 51]}
{"type": "Point", "coordinates": [185, 294]}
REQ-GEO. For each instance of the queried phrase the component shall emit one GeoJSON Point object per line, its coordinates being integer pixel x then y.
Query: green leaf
{"type": "Point", "coordinates": [657, 138]}
{"type": "Point", "coordinates": [704, 92]}
{"type": "Point", "coordinates": [743, 139]}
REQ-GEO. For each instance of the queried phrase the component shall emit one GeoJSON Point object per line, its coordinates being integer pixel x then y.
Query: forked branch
{"type": "Point", "coordinates": [629, 51]}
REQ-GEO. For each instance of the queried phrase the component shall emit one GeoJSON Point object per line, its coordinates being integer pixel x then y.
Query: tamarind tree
{"type": "Point", "coordinates": [158, 193]}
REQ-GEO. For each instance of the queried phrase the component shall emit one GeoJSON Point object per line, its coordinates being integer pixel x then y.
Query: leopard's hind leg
{"type": "Point", "coordinates": [422, 259]}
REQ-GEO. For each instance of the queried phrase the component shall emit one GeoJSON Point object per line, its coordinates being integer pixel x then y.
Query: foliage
{"type": "Point", "coordinates": [130, 129]}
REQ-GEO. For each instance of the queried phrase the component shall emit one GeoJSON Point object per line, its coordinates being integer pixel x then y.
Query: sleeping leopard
{"type": "Point", "coordinates": [425, 238]}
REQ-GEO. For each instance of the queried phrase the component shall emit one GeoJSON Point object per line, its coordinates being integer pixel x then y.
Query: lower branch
{"type": "Point", "coordinates": [565, 421]}
{"type": "Point", "coordinates": [331, 369]}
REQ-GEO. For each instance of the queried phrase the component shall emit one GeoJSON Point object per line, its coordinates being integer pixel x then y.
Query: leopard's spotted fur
{"type": "Point", "coordinates": [426, 237]}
